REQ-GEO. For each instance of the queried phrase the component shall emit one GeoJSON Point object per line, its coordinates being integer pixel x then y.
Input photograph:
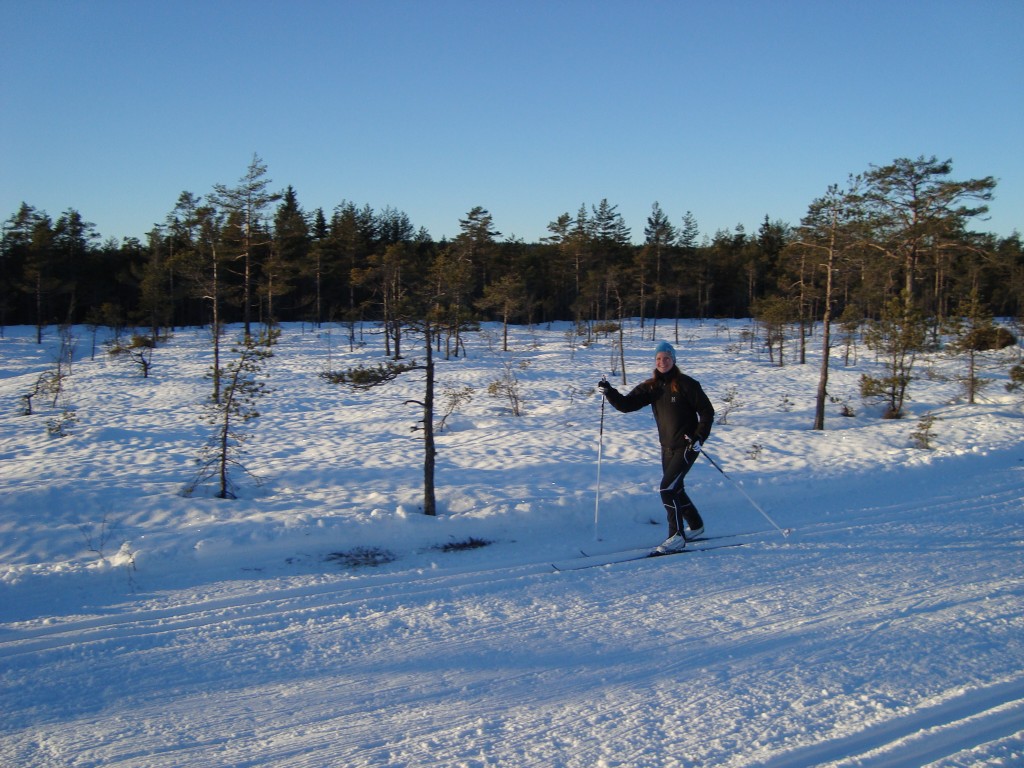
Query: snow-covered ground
{"type": "Point", "coordinates": [140, 627]}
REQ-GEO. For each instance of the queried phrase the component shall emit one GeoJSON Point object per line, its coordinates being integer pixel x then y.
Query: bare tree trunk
{"type": "Point", "coordinates": [826, 343]}
{"type": "Point", "coordinates": [826, 333]}
{"type": "Point", "coordinates": [215, 330]}
{"type": "Point", "coordinates": [430, 452]}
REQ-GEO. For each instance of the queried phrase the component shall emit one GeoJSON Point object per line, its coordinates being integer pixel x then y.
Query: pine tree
{"type": "Point", "coordinates": [243, 387]}
{"type": "Point", "coordinates": [19, 261]}
{"type": "Point", "coordinates": [659, 236]}
{"type": "Point", "coordinates": [690, 273]}
{"type": "Point", "coordinates": [508, 297]}
{"type": "Point", "coordinates": [898, 336]}
{"type": "Point", "coordinates": [351, 242]}
{"type": "Point", "coordinates": [825, 236]}
{"type": "Point", "coordinates": [247, 201]}
{"type": "Point", "coordinates": [476, 242]}
{"type": "Point", "coordinates": [975, 331]}
{"type": "Point", "coordinates": [73, 241]}
{"type": "Point", "coordinates": [40, 272]}
{"type": "Point", "coordinates": [914, 207]}
{"type": "Point", "coordinates": [365, 377]}
{"type": "Point", "coordinates": [156, 302]}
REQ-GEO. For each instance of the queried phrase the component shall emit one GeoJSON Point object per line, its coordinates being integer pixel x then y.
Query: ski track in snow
{"type": "Point", "coordinates": [886, 630]}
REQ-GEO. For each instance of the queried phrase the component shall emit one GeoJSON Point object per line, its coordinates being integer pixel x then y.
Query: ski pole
{"type": "Point", "coordinates": [784, 531]}
{"type": "Point", "coordinates": [600, 445]}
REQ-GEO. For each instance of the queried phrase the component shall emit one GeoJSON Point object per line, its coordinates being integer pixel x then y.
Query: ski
{"type": "Point", "coordinates": [627, 556]}
{"type": "Point", "coordinates": [697, 540]}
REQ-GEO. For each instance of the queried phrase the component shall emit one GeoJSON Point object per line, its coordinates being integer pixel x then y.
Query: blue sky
{"type": "Point", "coordinates": [732, 110]}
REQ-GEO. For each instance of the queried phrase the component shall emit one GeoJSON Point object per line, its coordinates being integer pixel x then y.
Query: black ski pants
{"type": "Point", "coordinates": [675, 463]}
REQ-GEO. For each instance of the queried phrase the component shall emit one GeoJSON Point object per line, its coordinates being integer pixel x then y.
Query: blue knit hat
{"type": "Point", "coordinates": [664, 346]}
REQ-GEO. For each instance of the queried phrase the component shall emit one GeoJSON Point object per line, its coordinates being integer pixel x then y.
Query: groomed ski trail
{"type": "Point", "coordinates": [767, 656]}
{"type": "Point", "coordinates": [634, 555]}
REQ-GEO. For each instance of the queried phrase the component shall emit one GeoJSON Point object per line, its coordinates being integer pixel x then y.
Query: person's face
{"type": "Point", "coordinates": [663, 362]}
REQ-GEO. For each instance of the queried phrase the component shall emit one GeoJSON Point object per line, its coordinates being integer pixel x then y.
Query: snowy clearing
{"type": "Point", "coordinates": [320, 620]}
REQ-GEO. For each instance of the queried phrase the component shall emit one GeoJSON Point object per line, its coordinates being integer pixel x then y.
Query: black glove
{"type": "Point", "coordinates": [603, 386]}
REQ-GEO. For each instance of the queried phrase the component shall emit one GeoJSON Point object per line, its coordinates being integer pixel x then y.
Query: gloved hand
{"type": "Point", "coordinates": [603, 386]}
{"type": "Point", "coordinates": [695, 446]}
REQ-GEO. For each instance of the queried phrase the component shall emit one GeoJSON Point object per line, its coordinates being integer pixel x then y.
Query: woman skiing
{"type": "Point", "coordinates": [684, 416]}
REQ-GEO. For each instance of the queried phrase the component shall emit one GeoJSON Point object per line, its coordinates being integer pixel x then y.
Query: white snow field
{"type": "Point", "coordinates": [320, 620]}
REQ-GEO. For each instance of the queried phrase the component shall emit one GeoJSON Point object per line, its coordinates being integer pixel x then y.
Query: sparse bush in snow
{"type": "Point", "coordinates": [506, 386]}
{"type": "Point", "coordinates": [236, 407]}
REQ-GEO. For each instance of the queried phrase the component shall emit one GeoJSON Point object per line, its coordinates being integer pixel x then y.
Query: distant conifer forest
{"type": "Point", "coordinates": [905, 232]}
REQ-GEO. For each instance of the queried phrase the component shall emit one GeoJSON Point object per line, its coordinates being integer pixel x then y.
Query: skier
{"type": "Point", "coordinates": [684, 415]}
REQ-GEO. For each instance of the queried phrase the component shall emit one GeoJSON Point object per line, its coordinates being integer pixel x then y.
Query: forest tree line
{"type": "Point", "coordinates": [247, 253]}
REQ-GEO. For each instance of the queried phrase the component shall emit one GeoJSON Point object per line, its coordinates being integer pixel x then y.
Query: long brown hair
{"type": "Point", "coordinates": [672, 377]}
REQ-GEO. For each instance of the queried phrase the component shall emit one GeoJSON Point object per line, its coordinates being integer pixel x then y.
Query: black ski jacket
{"type": "Point", "coordinates": [682, 411]}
